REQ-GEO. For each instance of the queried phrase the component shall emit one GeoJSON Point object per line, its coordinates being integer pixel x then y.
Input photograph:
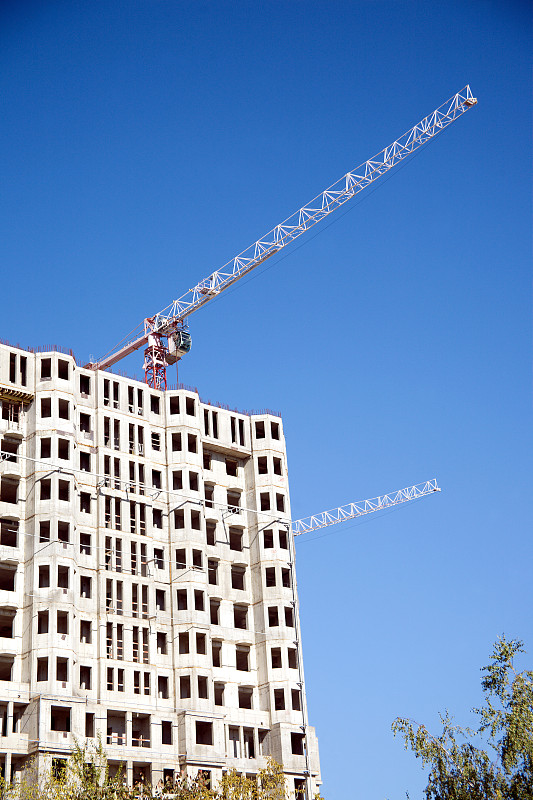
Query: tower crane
{"type": "Point", "coordinates": [165, 335]}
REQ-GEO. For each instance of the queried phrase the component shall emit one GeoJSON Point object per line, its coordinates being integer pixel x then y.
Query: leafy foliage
{"type": "Point", "coordinates": [503, 769]}
{"type": "Point", "coordinates": [86, 777]}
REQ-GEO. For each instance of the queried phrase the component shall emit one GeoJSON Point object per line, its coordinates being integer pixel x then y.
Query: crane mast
{"type": "Point", "coordinates": [171, 322]}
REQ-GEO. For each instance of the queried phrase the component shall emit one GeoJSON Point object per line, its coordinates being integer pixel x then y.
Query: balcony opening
{"type": "Point", "coordinates": [7, 618]}
{"type": "Point", "coordinates": [9, 490]}
{"type": "Point", "coordinates": [275, 655]}
{"type": "Point", "coordinates": [85, 385]}
{"type": "Point", "coordinates": [63, 409]}
{"type": "Point", "coordinates": [245, 697]}
{"type": "Point", "coordinates": [240, 614]}
{"type": "Point", "coordinates": [166, 732]}
{"type": "Point", "coordinates": [249, 742]}
{"type": "Point", "coordinates": [216, 653]}
{"type": "Point", "coordinates": [242, 658]}
{"type": "Point", "coordinates": [8, 532]}
{"type": "Point", "coordinates": [289, 617]}
{"type": "Point", "coordinates": [62, 670]}
{"type": "Point", "coordinates": [85, 678]}
{"type": "Point", "coordinates": [63, 449]}
{"type": "Point", "coordinates": [46, 369]}
{"type": "Point", "coordinates": [62, 577]}
{"type": "Point", "coordinates": [270, 576]}
{"type": "Point", "coordinates": [176, 442]}
{"type": "Point", "coordinates": [219, 694]}
{"type": "Point", "coordinates": [297, 744]}
{"type": "Point", "coordinates": [42, 669]}
{"type": "Point", "coordinates": [273, 617]}
{"type": "Point", "coordinates": [237, 577]}
{"type": "Point", "coordinates": [60, 719]}
{"type": "Point", "coordinates": [268, 539]}
{"type": "Point", "coordinates": [183, 642]}
{"type": "Point", "coordinates": [62, 622]}
{"type": "Point", "coordinates": [44, 576]}
{"type": "Point", "coordinates": [235, 539]}
{"type": "Point", "coordinates": [85, 544]}
{"type": "Point", "coordinates": [89, 726]}
{"type": "Point", "coordinates": [204, 732]}
{"type": "Point", "coordinates": [7, 578]}
{"type": "Point", "coordinates": [295, 696]}
{"type": "Point", "coordinates": [62, 369]}
{"type": "Point", "coordinates": [214, 611]}
{"type": "Point", "coordinates": [232, 467]}
{"type": "Point", "coordinates": [85, 631]}
{"type": "Point", "coordinates": [185, 687]}
{"type": "Point", "coordinates": [140, 733]}
{"type": "Point", "coordinates": [195, 520]}
{"type": "Point", "coordinates": [175, 405]}
{"type": "Point", "coordinates": [63, 530]}
{"type": "Point", "coordinates": [211, 532]}
{"type": "Point", "coordinates": [42, 622]}
{"type": "Point", "coordinates": [116, 728]}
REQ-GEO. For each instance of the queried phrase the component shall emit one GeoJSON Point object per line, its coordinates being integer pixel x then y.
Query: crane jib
{"type": "Point", "coordinates": [302, 220]}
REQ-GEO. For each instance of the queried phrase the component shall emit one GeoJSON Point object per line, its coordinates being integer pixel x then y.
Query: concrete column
{"type": "Point", "coordinates": [128, 730]}
{"type": "Point", "coordinates": [10, 712]}
{"type": "Point", "coordinates": [8, 767]}
{"type": "Point", "coordinates": [129, 766]}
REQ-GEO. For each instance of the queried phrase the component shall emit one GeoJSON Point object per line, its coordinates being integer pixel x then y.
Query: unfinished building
{"type": "Point", "coordinates": [147, 592]}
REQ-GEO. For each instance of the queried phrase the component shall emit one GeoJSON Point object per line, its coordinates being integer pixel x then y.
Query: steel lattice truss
{"type": "Point", "coordinates": [166, 322]}
{"type": "Point", "coordinates": [362, 507]}
{"type": "Point", "coordinates": [321, 206]}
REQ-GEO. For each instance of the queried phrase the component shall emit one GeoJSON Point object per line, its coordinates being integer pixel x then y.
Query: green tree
{"type": "Point", "coordinates": [495, 760]}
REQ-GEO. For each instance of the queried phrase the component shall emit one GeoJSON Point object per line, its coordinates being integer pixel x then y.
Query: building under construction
{"type": "Point", "coordinates": [147, 590]}
{"type": "Point", "coordinates": [147, 586]}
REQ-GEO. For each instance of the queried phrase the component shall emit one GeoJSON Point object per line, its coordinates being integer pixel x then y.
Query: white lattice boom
{"type": "Point", "coordinates": [362, 507]}
{"type": "Point", "coordinates": [166, 322]}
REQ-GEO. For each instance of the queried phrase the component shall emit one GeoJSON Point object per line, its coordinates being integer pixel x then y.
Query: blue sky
{"type": "Point", "coordinates": [143, 144]}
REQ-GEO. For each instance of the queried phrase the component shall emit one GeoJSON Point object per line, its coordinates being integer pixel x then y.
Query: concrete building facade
{"type": "Point", "coordinates": [147, 589]}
